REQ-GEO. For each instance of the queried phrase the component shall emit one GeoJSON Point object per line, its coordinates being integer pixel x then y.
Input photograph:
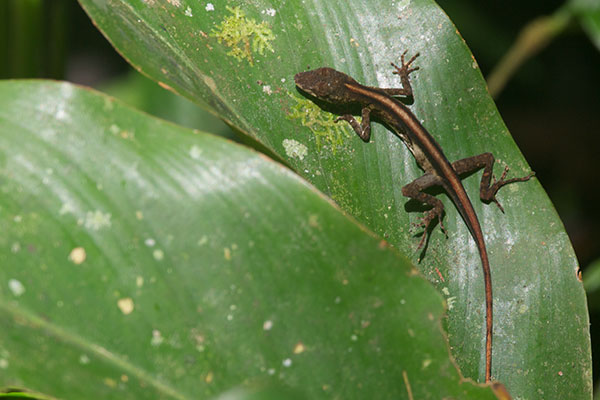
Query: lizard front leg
{"type": "Point", "coordinates": [404, 70]}
{"type": "Point", "coordinates": [363, 130]}
{"type": "Point", "coordinates": [487, 189]}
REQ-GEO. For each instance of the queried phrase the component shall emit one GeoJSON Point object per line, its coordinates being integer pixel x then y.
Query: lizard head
{"type": "Point", "coordinates": [325, 84]}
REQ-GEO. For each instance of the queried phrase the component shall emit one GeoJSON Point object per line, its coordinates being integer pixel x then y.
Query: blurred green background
{"type": "Point", "coordinates": [551, 104]}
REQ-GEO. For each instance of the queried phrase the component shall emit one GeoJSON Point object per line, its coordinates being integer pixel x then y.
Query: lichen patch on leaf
{"type": "Point", "coordinates": [294, 149]}
{"type": "Point", "coordinates": [244, 35]}
{"type": "Point", "coordinates": [96, 220]}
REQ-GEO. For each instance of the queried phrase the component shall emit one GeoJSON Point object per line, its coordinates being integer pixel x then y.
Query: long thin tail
{"type": "Point", "coordinates": [465, 208]}
{"type": "Point", "coordinates": [489, 310]}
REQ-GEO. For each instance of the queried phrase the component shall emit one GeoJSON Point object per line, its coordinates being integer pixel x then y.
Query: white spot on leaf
{"type": "Point", "coordinates": [158, 254]}
{"type": "Point", "coordinates": [195, 152]}
{"type": "Point", "coordinates": [16, 287]}
{"type": "Point", "coordinates": [299, 348]}
{"type": "Point", "coordinates": [125, 305]}
{"type": "Point", "coordinates": [426, 363]}
{"type": "Point", "coordinates": [77, 255]}
{"type": "Point", "coordinates": [157, 338]}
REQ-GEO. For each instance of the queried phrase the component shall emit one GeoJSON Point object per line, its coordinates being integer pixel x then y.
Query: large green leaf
{"type": "Point", "coordinates": [141, 260]}
{"type": "Point", "coordinates": [541, 342]}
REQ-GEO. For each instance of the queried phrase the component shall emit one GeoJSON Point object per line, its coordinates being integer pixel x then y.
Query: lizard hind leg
{"type": "Point", "coordinates": [489, 185]}
{"type": "Point", "coordinates": [489, 194]}
{"type": "Point", "coordinates": [414, 190]}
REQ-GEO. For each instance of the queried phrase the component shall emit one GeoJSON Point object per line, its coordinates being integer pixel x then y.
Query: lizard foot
{"type": "Point", "coordinates": [425, 223]}
{"type": "Point", "coordinates": [405, 69]}
{"type": "Point", "coordinates": [490, 193]}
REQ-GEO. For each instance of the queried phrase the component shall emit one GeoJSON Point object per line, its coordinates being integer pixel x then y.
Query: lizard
{"type": "Point", "coordinates": [345, 93]}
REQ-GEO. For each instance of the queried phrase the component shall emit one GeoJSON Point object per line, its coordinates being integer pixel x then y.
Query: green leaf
{"type": "Point", "coordinates": [541, 342]}
{"type": "Point", "coordinates": [591, 282]}
{"type": "Point", "coordinates": [588, 12]}
{"type": "Point", "coordinates": [145, 95]}
{"type": "Point", "coordinates": [143, 260]}
{"type": "Point", "coordinates": [260, 392]}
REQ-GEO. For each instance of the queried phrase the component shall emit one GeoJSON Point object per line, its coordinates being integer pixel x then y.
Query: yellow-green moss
{"type": "Point", "coordinates": [243, 35]}
{"type": "Point", "coordinates": [322, 124]}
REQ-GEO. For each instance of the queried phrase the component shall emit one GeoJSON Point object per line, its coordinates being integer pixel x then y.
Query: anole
{"type": "Point", "coordinates": [340, 90]}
